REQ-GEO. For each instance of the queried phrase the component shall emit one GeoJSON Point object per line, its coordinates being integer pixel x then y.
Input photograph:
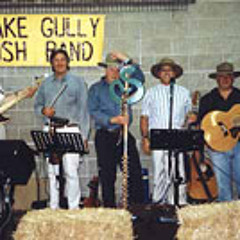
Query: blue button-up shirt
{"type": "Point", "coordinates": [102, 107]}
{"type": "Point", "coordinates": [71, 104]}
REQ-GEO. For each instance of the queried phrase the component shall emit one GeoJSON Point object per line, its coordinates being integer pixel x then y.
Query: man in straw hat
{"type": "Point", "coordinates": [156, 115]}
{"type": "Point", "coordinates": [226, 164]}
{"type": "Point", "coordinates": [108, 123]}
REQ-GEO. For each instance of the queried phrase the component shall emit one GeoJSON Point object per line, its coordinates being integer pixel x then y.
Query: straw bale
{"type": "Point", "coordinates": [210, 221]}
{"type": "Point", "coordinates": [85, 224]}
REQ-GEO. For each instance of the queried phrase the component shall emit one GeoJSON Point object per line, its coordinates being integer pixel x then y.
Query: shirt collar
{"type": "Point", "coordinates": [64, 79]}
{"type": "Point", "coordinates": [103, 80]}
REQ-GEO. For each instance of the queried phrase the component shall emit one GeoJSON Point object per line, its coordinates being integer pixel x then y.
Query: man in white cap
{"type": "Point", "coordinates": [156, 115]}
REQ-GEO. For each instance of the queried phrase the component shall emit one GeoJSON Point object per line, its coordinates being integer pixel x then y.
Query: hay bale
{"type": "Point", "coordinates": [86, 224]}
{"type": "Point", "coordinates": [210, 221]}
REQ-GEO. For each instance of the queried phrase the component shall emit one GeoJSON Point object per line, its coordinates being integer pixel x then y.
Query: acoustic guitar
{"type": "Point", "coordinates": [221, 129]}
{"type": "Point", "coordinates": [202, 185]}
{"type": "Point", "coordinates": [13, 98]}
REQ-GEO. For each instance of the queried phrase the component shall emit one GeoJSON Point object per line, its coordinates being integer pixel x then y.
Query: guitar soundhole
{"type": "Point", "coordinates": [223, 128]}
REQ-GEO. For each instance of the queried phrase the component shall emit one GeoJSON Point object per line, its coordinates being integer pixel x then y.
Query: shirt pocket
{"type": "Point", "coordinates": [71, 96]}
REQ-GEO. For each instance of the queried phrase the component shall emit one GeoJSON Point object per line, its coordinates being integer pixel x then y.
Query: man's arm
{"type": "Point", "coordinates": [94, 107]}
{"type": "Point", "coordinates": [145, 135]}
{"type": "Point", "coordinates": [84, 119]}
{"type": "Point", "coordinates": [39, 104]}
{"type": "Point", "coordinates": [100, 117]}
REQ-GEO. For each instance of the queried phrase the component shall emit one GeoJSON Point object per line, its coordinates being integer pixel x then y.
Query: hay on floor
{"type": "Point", "coordinates": [219, 221]}
{"type": "Point", "coordinates": [86, 224]}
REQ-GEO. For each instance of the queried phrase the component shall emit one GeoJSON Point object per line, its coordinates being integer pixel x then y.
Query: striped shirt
{"type": "Point", "coordinates": [156, 106]}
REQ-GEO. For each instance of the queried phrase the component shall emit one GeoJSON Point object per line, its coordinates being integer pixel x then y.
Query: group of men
{"type": "Point", "coordinates": [78, 104]}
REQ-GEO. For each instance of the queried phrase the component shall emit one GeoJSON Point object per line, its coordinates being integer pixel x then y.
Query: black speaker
{"type": "Point", "coordinates": [154, 222]}
{"type": "Point", "coordinates": [16, 161]}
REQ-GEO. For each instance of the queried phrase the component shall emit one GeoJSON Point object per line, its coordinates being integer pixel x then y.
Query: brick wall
{"type": "Point", "coordinates": [198, 38]}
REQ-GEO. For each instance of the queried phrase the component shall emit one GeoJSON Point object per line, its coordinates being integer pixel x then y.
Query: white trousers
{"type": "Point", "coordinates": [71, 163]}
{"type": "Point", "coordinates": [163, 182]}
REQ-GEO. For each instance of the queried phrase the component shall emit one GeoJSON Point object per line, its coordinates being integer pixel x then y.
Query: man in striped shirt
{"type": "Point", "coordinates": [156, 115]}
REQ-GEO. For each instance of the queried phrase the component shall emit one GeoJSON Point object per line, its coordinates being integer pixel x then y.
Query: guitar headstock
{"type": "Point", "coordinates": [195, 98]}
{"type": "Point", "coordinates": [39, 79]}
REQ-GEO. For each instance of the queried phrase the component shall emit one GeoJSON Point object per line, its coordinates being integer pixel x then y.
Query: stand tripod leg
{"type": "Point", "coordinates": [176, 179]}
{"type": "Point", "coordinates": [61, 180]}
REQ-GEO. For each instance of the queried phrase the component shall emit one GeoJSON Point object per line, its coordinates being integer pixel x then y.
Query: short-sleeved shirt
{"type": "Point", "coordinates": [214, 101]}
{"type": "Point", "coordinates": [156, 106]}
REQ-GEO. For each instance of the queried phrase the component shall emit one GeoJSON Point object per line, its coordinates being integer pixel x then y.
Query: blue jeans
{"type": "Point", "coordinates": [226, 166]}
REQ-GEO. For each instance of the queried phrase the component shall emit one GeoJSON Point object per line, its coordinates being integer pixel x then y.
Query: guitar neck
{"type": "Point", "coordinates": [13, 99]}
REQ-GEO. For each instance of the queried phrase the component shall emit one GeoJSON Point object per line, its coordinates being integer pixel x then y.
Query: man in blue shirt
{"type": "Point", "coordinates": [64, 95]}
{"type": "Point", "coordinates": [108, 139]}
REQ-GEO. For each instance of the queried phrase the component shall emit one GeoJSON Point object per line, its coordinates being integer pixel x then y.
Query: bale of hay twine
{"type": "Point", "coordinates": [85, 224]}
{"type": "Point", "coordinates": [219, 221]}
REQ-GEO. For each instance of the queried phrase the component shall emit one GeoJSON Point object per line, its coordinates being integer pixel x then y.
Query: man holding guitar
{"type": "Point", "coordinates": [219, 113]}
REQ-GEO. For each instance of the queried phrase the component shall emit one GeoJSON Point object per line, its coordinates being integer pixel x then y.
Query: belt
{"type": "Point", "coordinates": [72, 125]}
{"type": "Point", "coordinates": [110, 130]}
{"type": "Point", "coordinates": [62, 126]}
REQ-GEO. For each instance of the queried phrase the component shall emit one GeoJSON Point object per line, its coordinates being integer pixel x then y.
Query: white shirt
{"type": "Point", "coordinates": [156, 106]}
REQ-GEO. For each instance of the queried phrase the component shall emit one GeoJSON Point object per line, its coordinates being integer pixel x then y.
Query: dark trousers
{"type": "Point", "coordinates": [109, 148]}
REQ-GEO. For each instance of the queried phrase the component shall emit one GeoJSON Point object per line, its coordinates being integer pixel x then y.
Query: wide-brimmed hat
{"type": "Point", "coordinates": [224, 68]}
{"type": "Point", "coordinates": [166, 61]}
{"type": "Point", "coordinates": [109, 62]}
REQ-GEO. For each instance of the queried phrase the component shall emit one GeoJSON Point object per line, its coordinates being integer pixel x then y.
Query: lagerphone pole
{"type": "Point", "coordinates": [126, 91]}
{"type": "Point", "coordinates": [125, 149]}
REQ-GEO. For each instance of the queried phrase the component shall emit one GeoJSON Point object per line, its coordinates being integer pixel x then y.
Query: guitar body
{"type": "Point", "coordinates": [196, 190]}
{"type": "Point", "coordinates": [217, 125]}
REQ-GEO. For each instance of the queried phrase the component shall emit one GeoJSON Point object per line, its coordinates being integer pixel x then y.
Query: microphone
{"type": "Point", "coordinates": [173, 80]}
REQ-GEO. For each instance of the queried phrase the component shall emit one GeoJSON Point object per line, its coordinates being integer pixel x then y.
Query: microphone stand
{"type": "Point", "coordinates": [176, 179]}
{"type": "Point", "coordinates": [172, 82]}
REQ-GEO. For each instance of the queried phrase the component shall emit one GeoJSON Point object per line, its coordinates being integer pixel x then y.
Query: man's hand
{"type": "Point", "coordinates": [31, 91]}
{"type": "Point", "coordinates": [85, 143]}
{"type": "Point", "coordinates": [121, 120]}
{"type": "Point", "coordinates": [48, 111]}
{"type": "Point", "coordinates": [146, 146]}
{"type": "Point", "coordinates": [118, 55]}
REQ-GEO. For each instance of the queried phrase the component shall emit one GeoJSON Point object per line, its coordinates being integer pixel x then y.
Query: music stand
{"type": "Point", "coordinates": [16, 166]}
{"type": "Point", "coordinates": [176, 140]}
{"type": "Point", "coordinates": [16, 160]}
{"type": "Point", "coordinates": [59, 143]}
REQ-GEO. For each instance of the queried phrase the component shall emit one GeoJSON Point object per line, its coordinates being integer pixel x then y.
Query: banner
{"type": "Point", "coordinates": [28, 40]}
